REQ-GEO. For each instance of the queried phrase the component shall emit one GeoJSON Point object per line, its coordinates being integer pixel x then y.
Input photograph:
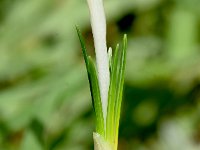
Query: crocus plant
{"type": "Point", "coordinates": [106, 82]}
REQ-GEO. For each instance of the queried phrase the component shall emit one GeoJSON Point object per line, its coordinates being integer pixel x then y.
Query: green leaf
{"type": "Point", "coordinates": [111, 97]}
{"type": "Point", "coordinates": [120, 86]}
{"type": "Point", "coordinates": [97, 99]}
{"type": "Point", "coordinates": [84, 50]}
{"type": "Point", "coordinates": [94, 87]}
{"type": "Point", "coordinates": [115, 94]}
{"type": "Point", "coordinates": [117, 68]}
{"type": "Point", "coordinates": [85, 55]}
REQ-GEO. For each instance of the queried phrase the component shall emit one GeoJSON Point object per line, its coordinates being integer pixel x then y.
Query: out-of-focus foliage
{"type": "Point", "coordinates": [44, 92]}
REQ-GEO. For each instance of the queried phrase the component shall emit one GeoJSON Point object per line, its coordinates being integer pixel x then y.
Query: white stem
{"type": "Point", "coordinates": [98, 22]}
{"type": "Point", "coordinates": [100, 143]}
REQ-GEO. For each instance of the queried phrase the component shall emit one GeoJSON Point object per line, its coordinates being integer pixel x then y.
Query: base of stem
{"type": "Point", "coordinates": [100, 143]}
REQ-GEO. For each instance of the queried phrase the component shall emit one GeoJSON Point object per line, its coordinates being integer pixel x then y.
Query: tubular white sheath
{"type": "Point", "coordinates": [100, 143]}
{"type": "Point", "coordinates": [98, 22]}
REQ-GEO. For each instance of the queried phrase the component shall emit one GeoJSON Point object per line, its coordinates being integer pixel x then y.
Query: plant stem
{"type": "Point", "coordinates": [100, 143]}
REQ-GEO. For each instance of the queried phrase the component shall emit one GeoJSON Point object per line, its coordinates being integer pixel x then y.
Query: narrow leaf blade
{"type": "Point", "coordinates": [84, 50]}
{"type": "Point", "coordinates": [120, 86]}
{"type": "Point", "coordinates": [97, 98]}
{"type": "Point", "coordinates": [94, 86]}
{"type": "Point", "coordinates": [111, 97]}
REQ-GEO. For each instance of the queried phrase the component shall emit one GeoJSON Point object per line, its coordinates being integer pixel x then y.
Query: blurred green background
{"type": "Point", "coordinates": [45, 101]}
